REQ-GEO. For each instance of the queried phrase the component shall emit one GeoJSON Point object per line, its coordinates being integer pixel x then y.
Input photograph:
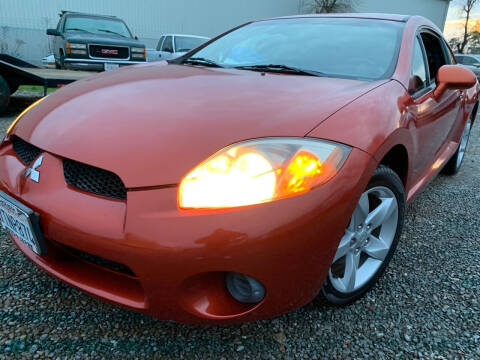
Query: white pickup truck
{"type": "Point", "coordinates": [173, 45]}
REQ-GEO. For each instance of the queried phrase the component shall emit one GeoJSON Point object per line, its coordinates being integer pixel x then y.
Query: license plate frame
{"type": "Point", "coordinates": [110, 66]}
{"type": "Point", "coordinates": [26, 227]}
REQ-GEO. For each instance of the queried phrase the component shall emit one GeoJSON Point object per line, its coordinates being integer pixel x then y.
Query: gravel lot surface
{"type": "Point", "coordinates": [426, 306]}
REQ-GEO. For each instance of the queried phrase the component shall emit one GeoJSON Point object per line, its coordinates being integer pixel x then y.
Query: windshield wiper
{"type": "Point", "coordinates": [280, 69]}
{"type": "Point", "coordinates": [201, 61]}
{"type": "Point", "coordinates": [111, 32]}
{"type": "Point", "coordinates": [77, 29]}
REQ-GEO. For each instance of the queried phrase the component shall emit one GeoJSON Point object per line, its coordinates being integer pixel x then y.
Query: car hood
{"type": "Point", "coordinates": [150, 124]}
{"type": "Point", "coordinates": [86, 38]}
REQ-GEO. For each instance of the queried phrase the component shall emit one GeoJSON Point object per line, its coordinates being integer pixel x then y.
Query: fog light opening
{"type": "Point", "coordinates": [244, 288]}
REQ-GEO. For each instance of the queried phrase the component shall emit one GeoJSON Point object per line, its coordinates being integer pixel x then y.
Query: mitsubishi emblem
{"type": "Point", "coordinates": [32, 172]}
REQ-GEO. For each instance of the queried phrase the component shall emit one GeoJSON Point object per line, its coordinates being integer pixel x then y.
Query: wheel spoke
{"type": "Point", "coordinates": [377, 248]}
{"type": "Point", "coordinates": [351, 267]}
{"type": "Point", "coordinates": [382, 212]}
{"type": "Point", "coordinates": [344, 245]}
{"type": "Point", "coordinates": [361, 211]}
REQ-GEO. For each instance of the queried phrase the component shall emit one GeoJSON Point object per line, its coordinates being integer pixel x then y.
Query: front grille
{"type": "Point", "coordinates": [94, 180]}
{"type": "Point", "coordinates": [25, 151]}
{"type": "Point", "coordinates": [97, 260]}
{"type": "Point", "coordinates": [109, 52]}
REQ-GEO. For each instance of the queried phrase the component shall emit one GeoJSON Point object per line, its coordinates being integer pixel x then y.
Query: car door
{"type": "Point", "coordinates": [167, 48]}
{"type": "Point", "coordinates": [433, 118]}
{"type": "Point", "coordinates": [156, 55]}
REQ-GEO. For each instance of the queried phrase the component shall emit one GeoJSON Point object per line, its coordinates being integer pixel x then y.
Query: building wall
{"type": "Point", "coordinates": [23, 22]}
{"type": "Point", "coordinates": [435, 10]}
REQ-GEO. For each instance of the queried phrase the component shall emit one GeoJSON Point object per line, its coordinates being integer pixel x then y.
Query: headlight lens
{"type": "Point", "coordinates": [138, 50]}
{"type": "Point", "coordinates": [76, 46]}
{"type": "Point", "coordinates": [17, 119]}
{"type": "Point", "coordinates": [259, 171]}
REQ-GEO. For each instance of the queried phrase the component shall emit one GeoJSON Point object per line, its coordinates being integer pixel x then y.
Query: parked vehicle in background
{"type": "Point", "coordinates": [470, 61]}
{"type": "Point", "coordinates": [174, 45]}
{"type": "Point", "coordinates": [94, 42]}
{"type": "Point", "coordinates": [49, 61]}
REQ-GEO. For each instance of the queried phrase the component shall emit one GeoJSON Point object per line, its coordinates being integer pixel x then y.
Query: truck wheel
{"type": "Point", "coordinates": [4, 95]}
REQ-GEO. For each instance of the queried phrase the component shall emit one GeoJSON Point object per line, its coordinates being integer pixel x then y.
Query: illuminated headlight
{"type": "Point", "coordinates": [17, 119]}
{"type": "Point", "coordinates": [76, 46]}
{"type": "Point", "coordinates": [258, 171]}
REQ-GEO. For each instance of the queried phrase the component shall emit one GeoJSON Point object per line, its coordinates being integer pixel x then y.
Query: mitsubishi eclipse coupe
{"type": "Point", "coordinates": [269, 166]}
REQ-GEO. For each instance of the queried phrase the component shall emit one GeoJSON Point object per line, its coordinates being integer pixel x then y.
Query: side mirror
{"type": "Point", "coordinates": [136, 37]}
{"type": "Point", "coordinates": [477, 64]}
{"type": "Point", "coordinates": [453, 77]}
{"type": "Point", "coordinates": [53, 32]}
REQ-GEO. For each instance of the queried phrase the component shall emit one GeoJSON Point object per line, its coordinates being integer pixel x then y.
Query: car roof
{"type": "Point", "coordinates": [75, 13]}
{"type": "Point", "coordinates": [186, 35]}
{"type": "Point", "coordinates": [378, 16]}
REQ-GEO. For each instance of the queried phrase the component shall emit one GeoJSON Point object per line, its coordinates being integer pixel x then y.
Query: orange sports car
{"type": "Point", "coordinates": [269, 166]}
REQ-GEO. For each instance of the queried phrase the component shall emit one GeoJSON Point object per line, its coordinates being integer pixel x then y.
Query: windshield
{"type": "Point", "coordinates": [336, 47]}
{"type": "Point", "coordinates": [97, 26]}
{"type": "Point", "coordinates": [185, 43]}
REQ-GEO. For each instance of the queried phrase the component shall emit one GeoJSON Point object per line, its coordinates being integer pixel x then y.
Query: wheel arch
{"type": "Point", "coordinates": [397, 152]}
{"type": "Point", "coordinates": [397, 160]}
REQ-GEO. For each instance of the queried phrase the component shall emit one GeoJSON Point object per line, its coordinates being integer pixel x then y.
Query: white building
{"type": "Point", "coordinates": [23, 22]}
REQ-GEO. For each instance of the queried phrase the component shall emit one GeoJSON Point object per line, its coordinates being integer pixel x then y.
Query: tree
{"type": "Point", "coordinates": [474, 43]}
{"type": "Point", "coordinates": [460, 44]}
{"type": "Point", "coordinates": [333, 6]}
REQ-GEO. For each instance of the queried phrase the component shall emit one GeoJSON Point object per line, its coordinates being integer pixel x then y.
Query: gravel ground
{"type": "Point", "coordinates": [426, 306]}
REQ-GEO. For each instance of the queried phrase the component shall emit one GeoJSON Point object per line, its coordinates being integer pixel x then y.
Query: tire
{"type": "Point", "coordinates": [455, 162]}
{"type": "Point", "coordinates": [4, 95]}
{"type": "Point", "coordinates": [370, 240]}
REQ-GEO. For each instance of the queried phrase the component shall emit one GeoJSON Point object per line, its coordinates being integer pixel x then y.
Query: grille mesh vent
{"type": "Point", "coordinates": [25, 151]}
{"type": "Point", "coordinates": [94, 180]}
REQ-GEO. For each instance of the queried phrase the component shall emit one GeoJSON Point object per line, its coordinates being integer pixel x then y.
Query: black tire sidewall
{"type": "Point", "coordinates": [383, 176]}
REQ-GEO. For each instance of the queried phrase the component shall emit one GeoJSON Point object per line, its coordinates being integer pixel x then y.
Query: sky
{"type": "Point", "coordinates": [455, 19]}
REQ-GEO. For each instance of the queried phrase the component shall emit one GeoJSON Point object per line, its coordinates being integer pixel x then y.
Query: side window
{"type": "Point", "coordinates": [435, 54]}
{"type": "Point", "coordinates": [460, 59]}
{"type": "Point", "coordinates": [159, 45]}
{"type": "Point", "coordinates": [168, 44]}
{"type": "Point", "coordinates": [418, 79]}
{"type": "Point", "coordinates": [450, 56]}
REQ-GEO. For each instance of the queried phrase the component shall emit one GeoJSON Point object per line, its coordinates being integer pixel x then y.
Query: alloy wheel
{"type": "Point", "coordinates": [367, 240]}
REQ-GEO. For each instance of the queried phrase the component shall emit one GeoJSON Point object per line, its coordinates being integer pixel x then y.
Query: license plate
{"type": "Point", "coordinates": [22, 222]}
{"type": "Point", "coordinates": [110, 66]}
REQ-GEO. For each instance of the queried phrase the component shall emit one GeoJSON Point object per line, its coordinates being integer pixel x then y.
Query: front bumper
{"type": "Point", "coordinates": [95, 64]}
{"type": "Point", "coordinates": [178, 259]}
